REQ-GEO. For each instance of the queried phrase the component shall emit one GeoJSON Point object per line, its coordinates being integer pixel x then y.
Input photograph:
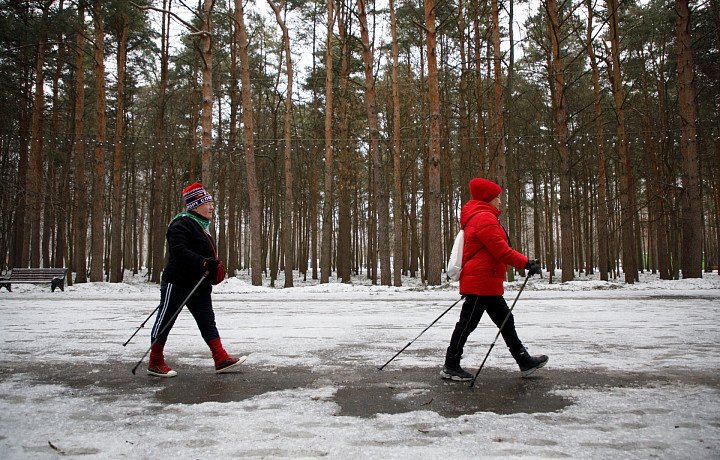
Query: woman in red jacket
{"type": "Point", "coordinates": [486, 255]}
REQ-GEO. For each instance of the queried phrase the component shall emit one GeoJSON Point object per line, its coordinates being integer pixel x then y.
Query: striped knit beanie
{"type": "Point", "coordinates": [195, 195]}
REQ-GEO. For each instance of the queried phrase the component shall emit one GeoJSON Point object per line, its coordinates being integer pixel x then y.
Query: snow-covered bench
{"type": "Point", "coordinates": [54, 276]}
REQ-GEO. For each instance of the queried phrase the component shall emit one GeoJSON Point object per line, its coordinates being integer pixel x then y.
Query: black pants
{"type": "Point", "coordinates": [200, 305]}
{"type": "Point", "coordinates": [470, 315]}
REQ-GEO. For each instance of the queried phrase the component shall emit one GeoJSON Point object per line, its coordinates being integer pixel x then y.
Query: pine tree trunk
{"type": "Point", "coordinates": [657, 230]}
{"type": "Point", "coordinates": [514, 185]}
{"type": "Point", "coordinates": [690, 194]}
{"type": "Point", "coordinates": [397, 180]}
{"type": "Point", "coordinates": [80, 191]}
{"type": "Point", "coordinates": [537, 222]}
{"type": "Point", "coordinates": [196, 106]}
{"type": "Point", "coordinates": [548, 193]}
{"type": "Point", "coordinates": [98, 211]}
{"type": "Point", "coordinates": [499, 118]}
{"type": "Point", "coordinates": [116, 251]}
{"type": "Point", "coordinates": [35, 170]}
{"type": "Point", "coordinates": [561, 136]}
{"type": "Point", "coordinates": [666, 263]}
{"type": "Point", "coordinates": [207, 100]}
{"type": "Point", "coordinates": [627, 189]}
{"type": "Point", "coordinates": [434, 255]}
{"type": "Point", "coordinates": [491, 158]}
{"type": "Point", "coordinates": [287, 158]}
{"type": "Point", "coordinates": [233, 142]}
{"type": "Point", "coordinates": [61, 198]}
{"type": "Point", "coordinates": [466, 163]}
{"type": "Point", "coordinates": [602, 200]}
{"type": "Point", "coordinates": [344, 183]}
{"type": "Point", "coordinates": [716, 141]}
{"type": "Point", "coordinates": [313, 197]}
{"type": "Point", "coordinates": [482, 153]}
{"type": "Point", "coordinates": [156, 247]}
{"type": "Point", "coordinates": [423, 148]}
{"type": "Point", "coordinates": [415, 253]}
{"type": "Point", "coordinates": [381, 197]}
{"type": "Point", "coordinates": [256, 246]}
{"type": "Point", "coordinates": [327, 236]}
{"type": "Point", "coordinates": [18, 256]}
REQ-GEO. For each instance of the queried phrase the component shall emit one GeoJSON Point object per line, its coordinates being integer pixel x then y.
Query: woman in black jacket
{"type": "Point", "coordinates": [192, 252]}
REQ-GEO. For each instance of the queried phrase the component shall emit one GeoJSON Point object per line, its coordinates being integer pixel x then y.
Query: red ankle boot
{"type": "Point", "coordinates": [223, 361]}
{"type": "Point", "coordinates": [157, 366]}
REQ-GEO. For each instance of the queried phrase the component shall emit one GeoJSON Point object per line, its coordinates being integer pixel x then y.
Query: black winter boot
{"type": "Point", "coordinates": [455, 373]}
{"type": "Point", "coordinates": [528, 364]}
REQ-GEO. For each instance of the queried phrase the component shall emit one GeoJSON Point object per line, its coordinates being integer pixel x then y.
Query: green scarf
{"type": "Point", "coordinates": [203, 222]}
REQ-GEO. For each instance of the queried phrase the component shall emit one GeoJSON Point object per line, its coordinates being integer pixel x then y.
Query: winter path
{"type": "Point", "coordinates": [634, 372]}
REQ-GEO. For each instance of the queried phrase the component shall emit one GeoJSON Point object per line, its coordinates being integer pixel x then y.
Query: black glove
{"type": "Point", "coordinates": [533, 267]}
{"type": "Point", "coordinates": [211, 264]}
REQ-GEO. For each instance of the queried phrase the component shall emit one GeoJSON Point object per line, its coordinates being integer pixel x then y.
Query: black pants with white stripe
{"type": "Point", "coordinates": [472, 311]}
{"type": "Point", "coordinates": [199, 304]}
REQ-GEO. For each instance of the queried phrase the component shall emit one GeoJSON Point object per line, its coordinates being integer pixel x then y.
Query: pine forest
{"type": "Point", "coordinates": [338, 137]}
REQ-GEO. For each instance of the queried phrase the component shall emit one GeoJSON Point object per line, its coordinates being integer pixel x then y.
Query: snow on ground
{"type": "Point", "coordinates": [633, 373]}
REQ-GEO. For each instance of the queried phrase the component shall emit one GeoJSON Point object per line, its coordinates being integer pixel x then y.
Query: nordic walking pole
{"type": "Point", "coordinates": [141, 326]}
{"type": "Point", "coordinates": [205, 275]}
{"type": "Point", "coordinates": [410, 343]}
{"type": "Point", "coordinates": [472, 383]}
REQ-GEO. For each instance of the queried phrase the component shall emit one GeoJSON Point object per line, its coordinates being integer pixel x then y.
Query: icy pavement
{"type": "Point", "coordinates": [633, 373]}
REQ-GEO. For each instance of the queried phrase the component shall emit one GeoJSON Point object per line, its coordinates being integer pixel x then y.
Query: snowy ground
{"type": "Point", "coordinates": [634, 372]}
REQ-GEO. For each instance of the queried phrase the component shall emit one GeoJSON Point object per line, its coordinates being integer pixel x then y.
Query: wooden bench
{"type": "Point", "coordinates": [54, 276]}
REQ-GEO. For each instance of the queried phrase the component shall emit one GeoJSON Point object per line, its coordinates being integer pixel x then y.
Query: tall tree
{"type": "Point", "coordinates": [60, 196]}
{"type": "Point", "coordinates": [80, 191]}
{"type": "Point", "coordinates": [627, 188]}
{"type": "Point", "coordinates": [657, 232]}
{"type": "Point", "coordinates": [34, 177]}
{"type": "Point", "coordinates": [98, 211]}
{"type": "Point", "coordinates": [256, 247]}
{"type": "Point", "coordinates": [434, 255]}
{"type": "Point", "coordinates": [18, 250]}
{"type": "Point", "coordinates": [716, 21]}
{"type": "Point", "coordinates": [514, 186]}
{"type": "Point", "coordinates": [234, 142]}
{"type": "Point", "coordinates": [561, 141]}
{"type": "Point", "coordinates": [329, 165]}
{"type": "Point", "coordinates": [691, 195]}
{"type": "Point", "coordinates": [602, 200]}
{"type": "Point", "coordinates": [499, 115]}
{"type": "Point", "coordinates": [207, 97]}
{"type": "Point", "coordinates": [381, 197]}
{"type": "Point", "coordinates": [482, 153]}
{"type": "Point", "coordinates": [287, 158]}
{"type": "Point", "coordinates": [156, 248]}
{"type": "Point", "coordinates": [397, 180]}
{"type": "Point", "coordinates": [122, 26]}
{"type": "Point", "coordinates": [345, 165]}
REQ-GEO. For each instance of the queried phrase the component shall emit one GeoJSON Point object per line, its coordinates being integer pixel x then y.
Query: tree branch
{"type": "Point", "coordinates": [195, 30]}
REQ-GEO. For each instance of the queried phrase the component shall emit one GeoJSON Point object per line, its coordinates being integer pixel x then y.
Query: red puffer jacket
{"type": "Point", "coordinates": [486, 253]}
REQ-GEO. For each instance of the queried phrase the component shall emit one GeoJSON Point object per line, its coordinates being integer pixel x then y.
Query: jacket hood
{"type": "Point", "coordinates": [472, 207]}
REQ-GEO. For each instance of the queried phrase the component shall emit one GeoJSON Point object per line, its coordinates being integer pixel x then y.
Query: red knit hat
{"type": "Point", "coordinates": [195, 195]}
{"type": "Point", "coordinates": [484, 190]}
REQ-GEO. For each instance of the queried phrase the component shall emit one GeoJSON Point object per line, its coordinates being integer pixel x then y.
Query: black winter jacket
{"type": "Point", "coordinates": [188, 246]}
